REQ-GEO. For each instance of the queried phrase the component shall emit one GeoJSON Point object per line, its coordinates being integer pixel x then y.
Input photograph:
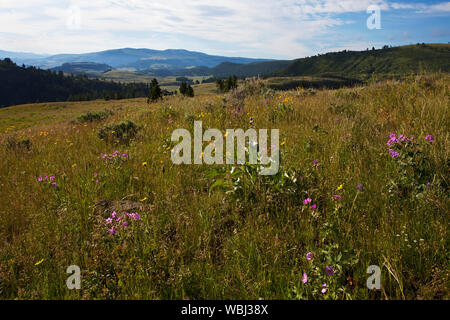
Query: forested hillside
{"type": "Point", "coordinates": [19, 85]}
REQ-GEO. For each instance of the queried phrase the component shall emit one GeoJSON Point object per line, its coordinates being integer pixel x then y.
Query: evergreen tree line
{"type": "Point", "coordinates": [226, 85]}
{"type": "Point", "coordinates": [20, 85]}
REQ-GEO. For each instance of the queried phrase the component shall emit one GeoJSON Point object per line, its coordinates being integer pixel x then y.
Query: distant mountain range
{"type": "Point", "coordinates": [144, 63]}
{"type": "Point", "coordinates": [129, 59]}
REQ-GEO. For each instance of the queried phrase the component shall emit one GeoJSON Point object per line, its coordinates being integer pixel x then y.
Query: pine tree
{"type": "Point", "coordinates": [155, 91]}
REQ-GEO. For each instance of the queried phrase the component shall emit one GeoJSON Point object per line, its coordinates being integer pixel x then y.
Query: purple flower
{"type": "Point", "coordinates": [359, 187]}
{"type": "Point", "coordinates": [309, 256]}
{"type": "Point", "coordinates": [113, 215]}
{"type": "Point", "coordinates": [306, 201]}
{"type": "Point", "coordinates": [112, 231]}
{"type": "Point", "coordinates": [54, 184]}
{"type": "Point", "coordinates": [124, 224]}
{"type": "Point", "coordinates": [265, 101]}
{"type": "Point", "coordinates": [304, 278]}
{"type": "Point", "coordinates": [329, 271]}
{"type": "Point", "coordinates": [109, 220]}
{"type": "Point", "coordinates": [137, 216]}
{"type": "Point", "coordinates": [325, 289]}
{"type": "Point", "coordinates": [429, 138]}
{"type": "Point", "coordinates": [394, 153]}
{"type": "Point", "coordinates": [52, 178]}
{"type": "Point", "coordinates": [314, 206]}
{"type": "Point", "coordinates": [336, 196]}
{"type": "Point", "coordinates": [40, 179]}
{"type": "Point", "coordinates": [315, 162]}
{"type": "Point", "coordinates": [170, 120]}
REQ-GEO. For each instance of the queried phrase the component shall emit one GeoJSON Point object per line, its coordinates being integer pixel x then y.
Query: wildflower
{"type": "Point", "coordinates": [336, 196]}
{"type": "Point", "coordinates": [304, 278]}
{"type": "Point", "coordinates": [314, 206]}
{"type": "Point", "coordinates": [74, 165]}
{"type": "Point", "coordinates": [394, 153]}
{"type": "Point", "coordinates": [429, 138]}
{"type": "Point", "coordinates": [39, 262]}
{"type": "Point", "coordinates": [125, 224]}
{"type": "Point", "coordinates": [96, 181]}
{"type": "Point", "coordinates": [124, 155]}
{"type": "Point", "coordinates": [137, 216]}
{"type": "Point", "coordinates": [52, 178]}
{"type": "Point", "coordinates": [329, 271]}
{"type": "Point", "coordinates": [112, 231]}
{"type": "Point", "coordinates": [113, 215]}
{"type": "Point", "coordinates": [325, 289]}
{"type": "Point", "coordinates": [54, 184]}
{"type": "Point", "coordinates": [306, 201]}
{"type": "Point", "coordinates": [359, 187]}
{"type": "Point", "coordinates": [40, 179]}
{"type": "Point", "coordinates": [309, 256]}
{"type": "Point", "coordinates": [339, 188]}
{"type": "Point", "coordinates": [315, 162]}
{"type": "Point", "coordinates": [109, 220]}
{"type": "Point", "coordinates": [170, 120]}
{"type": "Point", "coordinates": [144, 164]}
{"type": "Point", "coordinates": [142, 200]}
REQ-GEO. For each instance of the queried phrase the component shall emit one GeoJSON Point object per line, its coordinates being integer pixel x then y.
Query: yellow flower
{"type": "Point", "coordinates": [144, 164]}
{"type": "Point", "coordinates": [339, 188]}
{"type": "Point", "coordinates": [142, 200]}
{"type": "Point", "coordinates": [74, 165]}
{"type": "Point", "coordinates": [39, 262]}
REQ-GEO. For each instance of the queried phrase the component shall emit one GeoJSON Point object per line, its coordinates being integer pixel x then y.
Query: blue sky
{"type": "Point", "coordinates": [281, 29]}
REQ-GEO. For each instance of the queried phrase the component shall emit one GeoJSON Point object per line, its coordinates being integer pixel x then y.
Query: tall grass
{"type": "Point", "coordinates": [249, 238]}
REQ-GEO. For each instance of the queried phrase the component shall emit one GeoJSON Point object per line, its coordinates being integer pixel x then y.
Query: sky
{"type": "Point", "coordinates": [278, 29]}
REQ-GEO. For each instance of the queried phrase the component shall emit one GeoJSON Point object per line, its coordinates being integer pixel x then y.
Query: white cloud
{"type": "Point", "coordinates": [274, 28]}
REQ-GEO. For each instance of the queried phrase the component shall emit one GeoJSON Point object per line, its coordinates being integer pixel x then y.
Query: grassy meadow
{"type": "Point", "coordinates": [140, 227]}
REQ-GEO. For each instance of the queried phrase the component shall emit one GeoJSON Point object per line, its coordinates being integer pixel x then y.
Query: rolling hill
{"type": "Point", "coordinates": [361, 64]}
{"type": "Point", "coordinates": [89, 68]}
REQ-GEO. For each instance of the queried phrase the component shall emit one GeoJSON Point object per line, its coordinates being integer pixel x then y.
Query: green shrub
{"type": "Point", "coordinates": [122, 132]}
{"type": "Point", "coordinates": [94, 116]}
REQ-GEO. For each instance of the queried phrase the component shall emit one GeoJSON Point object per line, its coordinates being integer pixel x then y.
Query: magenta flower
{"type": "Point", "coordinates": [112, 231]}
{"type": "Point", "coordinates": [52, 178]}
{"type": "Point", "coordinates": [304, 278]}
{"type": "Point", "coordinates": [109, 220]}
{"type": "Point", "coordinates": [394, 153]}
{"type": "Point", "coordinates": [137, 216]}
{"type": "Point", "coordinates": [40, 179]}
{"type": "Point", "coordinates": [325, 289]}
{"type": "Point", "coordinates": [329, 271]}
{"type": "Point", "coordinates": [429, 138]}
{"type": "Point", "coordinates": [170, 120]}
{"type": "Point", "coordinates": [54, 184]}
{"type": "Point", "coordinates": [113, 215]}
{"type": "Point", "coordinates": [309, 256]}
{"type": "Point", "coordinates": [124, 224]}
{"type": "Point", "coordinates": [336, 196]}
{"type": "Point", "coordinates": [314, 206]}
{"type": "Point", "coordinates": [315, 162]}
{"type": "Point", "coordinates": [307, 200]}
